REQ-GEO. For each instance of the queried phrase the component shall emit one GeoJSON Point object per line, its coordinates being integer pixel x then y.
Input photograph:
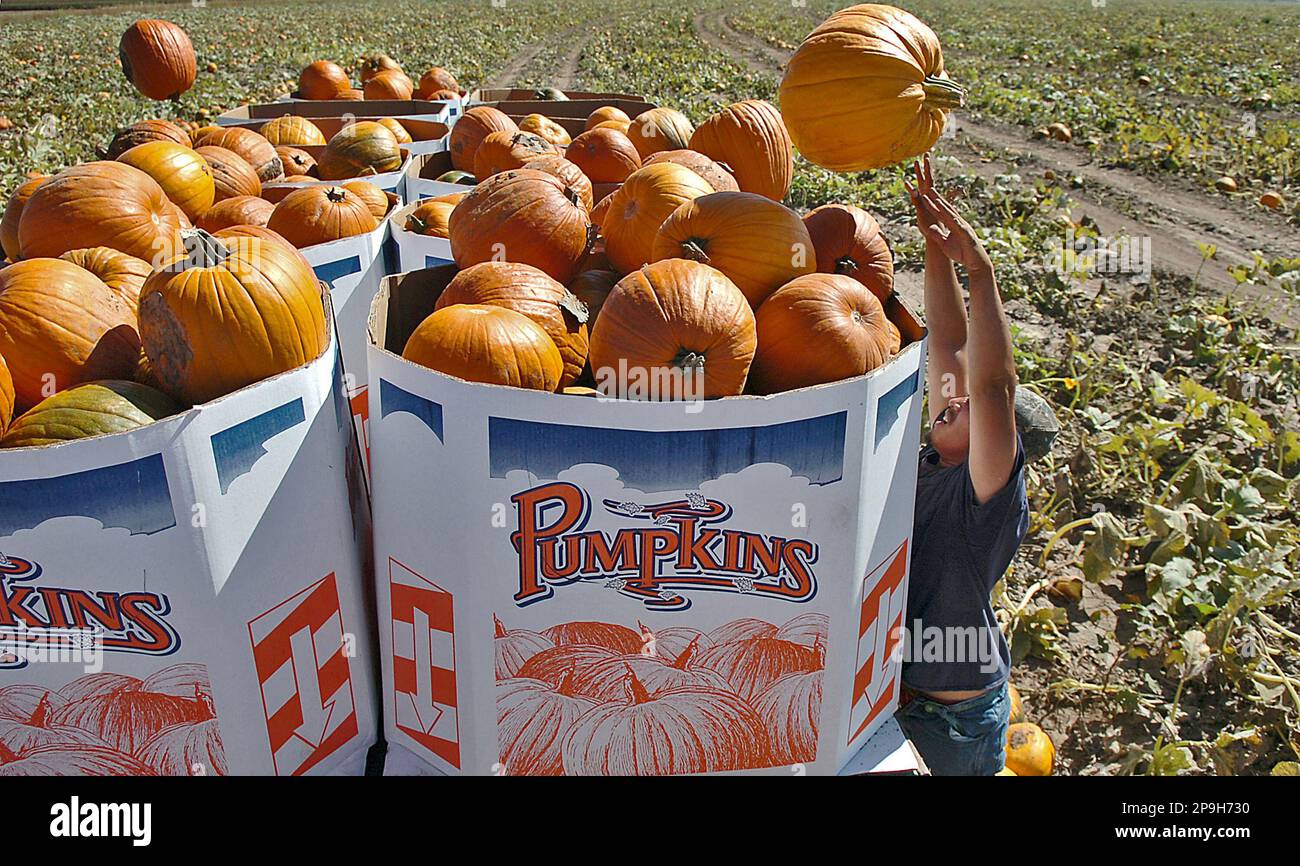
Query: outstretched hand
{"type": "Point", "coordinates": [941, 225]}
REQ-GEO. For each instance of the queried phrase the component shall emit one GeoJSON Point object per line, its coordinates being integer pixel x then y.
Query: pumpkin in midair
{"type": "Point", "coordinates": [145, 131]}
{"type": "Point", "coordinates": [320, 214]}
{"type": "Point", "coordinates": [532, 718]}
{"type": "Point", "coordinates": [819, 328]}
{"type": "Point", "coordinates": [90, 409]}
{"type": "Point", "coordinates": [647, 198]}
{"type": "Point", "coordinates": [604, 155]}
{"type": "Point", "coordinates": [293, 130]}
{"type": "Point", "coordinates": [492, 345]}
{"type": "Point", "coordinates": [866, 89]}
{"type": "Point", "coordinates": [502, 151]}
{"type": "Point", "coordinates": [527, 290]}
{"type": "Point", "coordinates": [718, 177]}
{"type": "Point", "coordinates": [750, 138]}
{"type": "Point", "coordinates": [228, 314]}
{"type": "Point", "coordinates": [323, 80]}
{"type": "Point", "coordinates": [359, 149]}
{"type": "Point", "coordinates": [158, 58]}
{"type": "Point", "coordinates": [470, 130]}
{"type": "Point", "coordinates": [848, 241]}
{"type": "Point", "coordinates": [684, 322]}
{"type": "Point", "coordinates": [659, 129]}
{"type": "Point", "coordinates": [122, 273]}
{"type": "Point", "coordinates": [181, 171]}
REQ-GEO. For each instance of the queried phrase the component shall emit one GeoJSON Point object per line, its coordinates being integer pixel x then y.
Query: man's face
{"type": "Point", "coordinates": [950, 433]}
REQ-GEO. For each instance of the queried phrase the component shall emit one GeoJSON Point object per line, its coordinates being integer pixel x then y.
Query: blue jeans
{"type": "Point", "coordinates": [968, 738]}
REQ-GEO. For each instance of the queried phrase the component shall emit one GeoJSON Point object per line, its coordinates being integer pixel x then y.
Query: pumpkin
{"type": "Point", "coordinates": [19, 702]}
{"type": "Point", "coordinates": [434, 80]}
{"type": "Point", "coordinates": [251, 146]}
{"type": "Point", "coordinates": [819, 328]}
{"type": "Point", "coordinates": [430, 218]}
{"type": "Point", "coordinates": [296, 162]}
{"type": "Point", "coordinates": [377, 64]}
{"type": "Point", "coordinates": [394, 126]}
{"type": "Point", "coordinates": [183, 174]}
{"type": "Point", "coordinates": [1029, 750]}
{"type": "Point", "coordinates": [758, 243]}
{"type": "Point", "coordinates": [122, 273]}
{"type": "Point", "coordinates": [237, 211]}
{"type": "Point", "coordinates": [143, 132]}
{"type": "Point", "coordinates": [568, 173]}
{"type": "Point", "coordinates": [550, 94]}
{"type": "Point", "coordinates": [463, 178]}
{"type": "Point", "coordinates": [553, 665]}
{"type": "Point", "coordinates": [91, 409]}
{"type": "Point", "coordinates": [6, 414]}
{"type": "Point", "coordinates": [374, 197]}
{"type": "Point", "coordinates": [612, 636]}
{"type": "Point", "coordinates": [157, 58]}
{"type": "Point", "coordinates": [532, 719]}
{"type": "Point", "coordinates": [359, 149]}
{"type": "Point", "coordinates": [1226, 184]}
{"type": "Point", "coordinates": [791, 710]}
{"type": "Point", "coordinates": [1017, 713]}
{"type": "Point", "coordinates": [323, 80]}
{"type": "Point", "coordinates": [601, 208]}
{"type": "Point", "coordinates": [527, 290]}
{"type": "Point", "coordinates": [236, 234]}
{"type": "Point", "coordinates": [443, 96]}
{"type": "Point", "coordinates": [601, 191]}
{"type": "Point", "coordinates": [1271, 200]}
{"type": "Point", "coordinates": [481, 343]}
{"type": "Point", "coordinates": [64, 759]}
{"type": "Point", "coordinates": [692, 729]}
{"type": "Point", "coordinates": [604, 155]}
{"type": "Point", "coordinates": [186, 679]}
{"type": "Point", "coordinates": [232, 176]}
{"type": "Point", "coordinates": [470, 130]}
{"type": "Point", "coordinates": [36, 730]}
{"type": "Point", "coordinates": [751, 139]}
{"type": "Point", "coordinates": [742, 629]}
{"type": "Point", "coordinates": [529, 217]}
{"type": "Point", "coordinates": [867, 89]}
{"type": "Point", "coordinates": [13, 214]}
{"type": "Point", "coordinates": [639, 207]}
{"type": "Point", "coordinates": [680, 321]}
{"type": "Point", "coordinates": [502, 151]}
{"type": "Point", "coordinates": [659, 129]}
{"type": "Point", "coordinates": [320, 214]}
{"type": "Point", "coordinates": [593, 288]}
{"type": "Point", "coordinates": [102, 683]}
{"type": "Point", "coordinates": [617, 125]}
{"type": "Point", "coordinates": [186, 749]}
{"type": "Point", "coordinates": [604, 113]}
{"type": "Point", "coordinates": [451, 198]}
{"type": "Point", "coordinates": [809, 629]}
{"type": "Point", "coordinates": [60, 325]}
{"type": "Point", "coordinates": [228, 314]}
{"type": "Point", "coordinates": [99, 204]}
{"type": "Point", "coordinates": [545, 128]}
{"type": "Point", "coordinates": [127, 719]}
{"type": "Point", "coordinates": [603, 679]}
{"type": "Point", "coordinates": [847, 240]}
{"type": "Point", "coordinates": [514, 647]}
{"type": "Point", "coordinates": [752, 664]}
{"type": "Point", "coordinates": [389, 84]}
{"type": "Point", "coordinates": [291, 129]}
{"type": "Point", "coordinates": [718, 177]}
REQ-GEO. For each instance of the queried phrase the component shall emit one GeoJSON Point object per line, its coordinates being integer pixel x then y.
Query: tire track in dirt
{"type": "Point", "coordinates": [509, 75]}
{"type": "Point", "coordinates": [567, 75]}
{"type": "Point", "coordinates": [1173, 219]}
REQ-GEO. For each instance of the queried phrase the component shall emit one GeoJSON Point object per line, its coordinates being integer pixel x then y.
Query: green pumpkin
{"type": "Point", "coordinates": [461, 177]}
{"type": "Point", "coordinates": [550, 93]}
{"type": "Point", "coordinates": [359, 149]}
{"type": "Point", "coordinates": [89, 409]}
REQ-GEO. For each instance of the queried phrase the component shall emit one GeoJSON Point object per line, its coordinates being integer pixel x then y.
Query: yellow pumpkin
{"type": "Point", "coordinates": [540, 124]}
{"type": "Point", "coordinates": [750, 138]}
{"type": "Point", "coordinates": [181, 171]}
{"type": "Point", "coordinates": [659, 129]}
{"type": "Point", "coordinates": [1029, 750]}
{"type": "Point", "coordinates": [292, 130]}
{"type": "Point", "coordinates": [647, 198]}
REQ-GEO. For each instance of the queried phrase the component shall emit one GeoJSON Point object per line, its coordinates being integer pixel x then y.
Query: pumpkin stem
{"type": "Point", "coordinates": [688, 360]}
{"type": "Point", "coordinates": [202, 250]}
{"type": "Point", "coordinates": [500, 626]}
{"type": "Point", "coordinates": [574, 306]}
{"type": "Point", "coordinates": [41, 712]}
{"type": "Point", "coordinates": [693, 249]}
{"type": "Point", "coordinates": [415, 224]}
{"type": "Point", "coordinates": [566, 686]}
{"type": "Point", "coordinates": [846, 266]}
{"type": "Point", "coordinates": [636, 693]}
{"type": "Point", "coordinates": [336, 194]}
{"type": "Point", "coordinates": [942, 93]}
{"type": "Point", "coordinates": [819, 651]}
{"type": "Point", "coordinates": [683, 661]}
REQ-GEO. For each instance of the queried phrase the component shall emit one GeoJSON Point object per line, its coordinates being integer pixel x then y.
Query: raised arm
{"type": "Point", "coordinates": [945, 311]}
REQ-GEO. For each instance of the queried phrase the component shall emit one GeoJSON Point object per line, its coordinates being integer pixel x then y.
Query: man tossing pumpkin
{"type": "Point", "coordinates": [971, 507]}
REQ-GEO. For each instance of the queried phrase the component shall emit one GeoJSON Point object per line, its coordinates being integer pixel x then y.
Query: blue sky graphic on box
{"type": "Point", "coordinates": [237, 448]}
{"type": "Point", "coordinates": [132, 496]}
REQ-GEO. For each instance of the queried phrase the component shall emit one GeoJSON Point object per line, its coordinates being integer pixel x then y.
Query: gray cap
{"type": "Point", "coordinates": [1036, 423]}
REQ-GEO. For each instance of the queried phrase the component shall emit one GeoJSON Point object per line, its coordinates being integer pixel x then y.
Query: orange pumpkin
{"type": "Point", "coordinates": [232, 176]}
{"type": "Point", "coordinates": [848, 241]}
{"type": "Point", "coordinates": [718, 177]}
{"type": "Point", "coordinates": [1017, 713]}
{"type": "Point", "coordinates": [377, 64]}
{"type": "Point", "coordinates": [513, 648]}
{"type": "Point", "coordinates": [659, 129]}
{"type": "Point", "coordinates": [434, 80]}
{"type": "Point", "coordinates": [601, 209]}
{"type": "Point", "coordinates": [481, 343]}
{"type": "Point", "coordinates": [543, 127]}
{"type": "Point", "coordinates": [430, 218]}
{"type": "Point", "coordinates": [604, 155]}
{"type": "Point", "coordinates": [61, 325]}
{"type": "Point", "coordinates": [610, 635]}
{"type": "Point", "coordinates": [389, 84]}
{"type": "Point", "coordinates": [229, 313]}
{"type": "Point", "coordinates": [374, 197]}
{"type": "Point", "coordinates": [6, 405]}
{"type": "Point", "coordinates": [14, 212]}
{"type": "Point", "coordinates": [451, 198]}
{"type": "Point", "coordinates": [532, 718]}
{"type": "Point", "coordinates": [866, 89]}
{"type": "Point", "coordinates": [525, 216]}
{"type": "Point", "coordinates": [1030, 751]}
{"type": "Point", "coordinates": [683, 322]}
{"type": "Point", "coordinates": [473, 126]}
{"type": "Point", "coordinates": [693, 729]}
{"type": "Point", "coordinates": [122, 273]}
{"type": "Point", "coordinates": [758, 243]}
{"type": "Point", "coordinates": [323, 80]}
{"type": "Point", "coordinates": [641, 204]}
{"type": "Point", "coordinates": [442, 96]}
{"type": "Point", "coordinates": [750, 138]}
{"type": "Point", "coordinates": [617, 125]}
{"type": "Point", "coordinates": [236, 234]}
{"type": "Point", "coordinates": [146, 131]}
{"type": "Point", "coordinates": [394, 126]}
{"type": "Point", "coordinates": [751, 665]}
{"type": "Point", "coordinates": [320, 214]}
{"type": "Point", "coordinates": [592, 288]}
{"type": "Point", "coordinates": [359, 149]}
{"type": "Point", "coordinates": [819, 328]}
{"type": "Point", "coordinates": [237, 211]}
{"type": "Point", "coordinates": [296, 162]}
{"type": "Point", "coordinates": [502, 151]}
{"type": "Point", "coordinates": [158, 58]}
{"type": "Point", "coordinates": [568, 173]}
{"type": "Point", "coordinates": [527, 290]}
{"type": "Point", "coordinates": [291, 129]}
{"type": "Point", "coordinates": [605, 113]}
{"type": "Point", "coordinates": [184, 175]}
{"type": "Point", "coordinates": [251, 146]}
{"type": "Point", "coordinates": [109, 204]}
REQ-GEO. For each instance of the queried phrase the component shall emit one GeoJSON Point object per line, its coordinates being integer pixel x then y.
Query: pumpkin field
{"type": "Point", "coordinates": [1131, 166]}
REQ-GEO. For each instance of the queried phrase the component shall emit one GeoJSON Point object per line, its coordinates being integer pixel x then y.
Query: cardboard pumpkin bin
{"type": "Point", "coordinates": [416, 251]}
{"type": "Point", "coordinates": [191, 597]}
{"type": "Point", "coordinates": [434, 110]}
{"type": "Point", "coordinates": [569, 584]}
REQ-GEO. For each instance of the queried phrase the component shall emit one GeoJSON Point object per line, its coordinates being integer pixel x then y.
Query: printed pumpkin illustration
{"type": "Point", "coordinates": [513, 648]}
{"type": "Point", "coordinates": [618, 638]}
{"type": "Point", "coordinates": [603, 680]}
{"type": "Point", "coordinates": [532, 719]}
{"type": "Point", "coordinates": [791, 710]}
{"type": "Point", "coordinates": [752, 664]}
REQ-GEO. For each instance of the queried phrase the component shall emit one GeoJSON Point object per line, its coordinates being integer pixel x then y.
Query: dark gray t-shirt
{"type": "Point", "coordinates": [960, 551]}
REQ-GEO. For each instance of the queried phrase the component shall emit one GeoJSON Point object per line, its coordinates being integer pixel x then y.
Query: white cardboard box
{"type": "Point", "coordinates": [444, 111]}
{"type": "Point", "coordinates": [416, 251]}
{"type": "Point", "coordinates": [421, 171]}
{"type": "Point", "coordinates": [392, 182]}
{"type": "Point", "coordinates": [191, 597]}
{"type": "Point", "coordinates": [755, 550]}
